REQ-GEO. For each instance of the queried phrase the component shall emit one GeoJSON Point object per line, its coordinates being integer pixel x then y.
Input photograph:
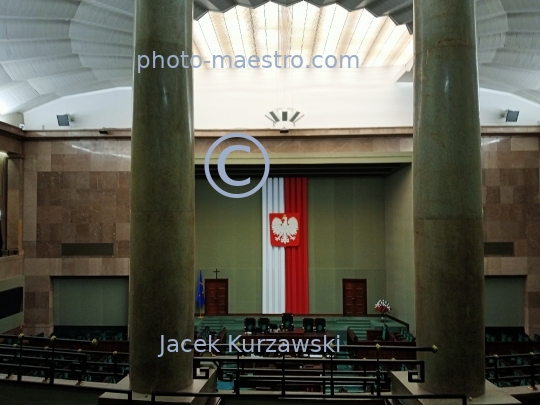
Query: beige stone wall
{"type": "Point", "coordinates": [11, 267]}
{"type": "Point", "coordinates": [512, 213]}
{"type": "Point", "coordinates": [318, 144]}
{"type": "Point", "coordinates": [14, 203]}
{"type": "Point", "coordinates": [78, 191]}
{"type": "Point", "coordinates": [75, 192]}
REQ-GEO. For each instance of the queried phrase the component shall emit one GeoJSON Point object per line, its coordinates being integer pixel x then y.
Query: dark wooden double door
{"type": "Point", "coordinates": [354, 297]}
{"type": "Point", "coordinates": [216, 293]}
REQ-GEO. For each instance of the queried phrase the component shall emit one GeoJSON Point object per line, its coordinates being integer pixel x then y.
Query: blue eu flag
{"type": "Point", "coordinates": [200, 291]}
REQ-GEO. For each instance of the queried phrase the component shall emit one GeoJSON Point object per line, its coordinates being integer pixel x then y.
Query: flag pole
{"type": "Point", "coordinates": [200, 294]}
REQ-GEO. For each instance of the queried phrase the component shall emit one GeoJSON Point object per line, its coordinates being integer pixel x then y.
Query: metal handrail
{"type": "Point", "coordinates": [329, 375]}
{"type": "Point", "coordinates": [54, 340]}
{"type": "Point", "coordinates": [88, 388]}
{"type": "Point", "coordinates": [303, 395]}
{"type": "Point", "coordinates": [323, 379]}
{"type": "Point", "coordinates": [497, 369]}
{"type": "Point", "coordinates": [78, 365]}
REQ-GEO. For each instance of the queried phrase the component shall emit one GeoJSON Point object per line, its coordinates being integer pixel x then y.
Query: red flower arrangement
{"type": "Point", "coordinates": [382, 306]}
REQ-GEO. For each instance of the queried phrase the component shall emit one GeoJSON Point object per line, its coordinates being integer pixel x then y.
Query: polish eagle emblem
{"type": "Point", "coordinates": [285, 230]}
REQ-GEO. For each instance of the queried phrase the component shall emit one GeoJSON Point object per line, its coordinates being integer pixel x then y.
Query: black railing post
{"type": "Point", "coordinates": [324, 379]}
{"type": "Point", "coordinates": [85, 364]}
{"type": "Point", "coordinates": [533, 386]}
{"type": "Point", "coordinates": [115, 367]}
{"type": "Point", "coordinates": [496, 369]}
{"type": "Point", "coordinates": [237, 381]}
{"type": "Point", "coordinates": [79, 377]}
{"type": "Point", "coordinates": [365, 374]}
{"type": "Point", "coordinates": [377, 348]}
{"type": "Point", "coordinates": [220, 374]}
{"type": "Point", "coordinates": [10, 368]}
{"type": "Point", "coordinates": [283, 375]}
{"type": "Point", "coordinates": [82, 371]}
{"type": "Point", "coordinates": [19, 372]}
{"type": "Point", "coordinates": [331, 376]}
{"type": "Point", "coordinates": [53, 365]}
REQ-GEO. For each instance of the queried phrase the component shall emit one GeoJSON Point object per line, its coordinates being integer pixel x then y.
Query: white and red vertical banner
{"type": "Point", "coordinates": [296, 257]}
{"type": "Point", "coordinates": [273, 274]}
{"type": "Point", "coordinates": [285, 252]}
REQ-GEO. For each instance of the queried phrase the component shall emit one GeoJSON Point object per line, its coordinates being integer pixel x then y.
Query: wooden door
{"type": "Point", "coordinates": [216, 293]}
{"type": "Point", "coordinates": [354, 297]}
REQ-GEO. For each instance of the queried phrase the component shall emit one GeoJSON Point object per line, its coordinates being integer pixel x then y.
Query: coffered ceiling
{"type": "Point", "coordinates": [55, 48]}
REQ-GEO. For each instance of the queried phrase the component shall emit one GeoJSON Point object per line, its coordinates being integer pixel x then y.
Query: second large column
{"type": "Point", "coordinates": [448, 243]}
{"type": "Point", "coordinates": [162, 199]}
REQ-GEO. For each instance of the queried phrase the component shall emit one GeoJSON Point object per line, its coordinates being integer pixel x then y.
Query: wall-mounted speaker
{"type": "Point", "coordinates": [511, 116]}
{"type": "Point", "coordinates": [64, 120]}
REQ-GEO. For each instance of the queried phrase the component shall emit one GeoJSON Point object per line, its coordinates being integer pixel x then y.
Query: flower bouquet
{"type": "Point", "coordinates": [382, 307]}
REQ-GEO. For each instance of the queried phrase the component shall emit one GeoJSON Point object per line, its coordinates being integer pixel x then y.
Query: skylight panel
{"type": "Point", "coordinates": [336, 29]}
{"type": "Point", "coordinates": [358, 39]}
{"type": "Point", "coordinates": [379, 41]}
{"type": "Point", "coordinates": [205, 34]}
{"type": "Point", "coordinates": [323, 29]}
{"type": "Point", "coordinates": [298, 16]}
{"type": "Point", "coordinates": [388, 47]}
{"type": "Point", "coordinates": [398, 50]}
{"type": "Point", "coordinates": [349, 29]}
{"type": "Point", "coordinates": [234, 33]}
{"type": "Point", "coordinates": [245, 24]}
{"type": "Point", "coordinates": [406, 55]}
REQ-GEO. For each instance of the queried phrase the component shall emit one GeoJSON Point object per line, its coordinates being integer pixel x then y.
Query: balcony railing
{"type": "Point", "coordinates": [525, 368]}
{"type": "Point", "coordinates": [372, 375]}
{"type": "Point", "coordinates": [369, 374]}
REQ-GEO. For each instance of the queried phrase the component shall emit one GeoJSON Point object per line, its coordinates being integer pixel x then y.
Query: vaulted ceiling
{"type": "Point", "coordinates": [54, 48]}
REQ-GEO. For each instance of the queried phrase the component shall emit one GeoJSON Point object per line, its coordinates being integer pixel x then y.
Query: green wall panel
{"type": "Point", "coordinates": [346, 239]}
{"type": "Point", "coordinates": [228, 234]}
{"type": "Point", "coordinates": [504, 301]}
{"type": "Point", "coordinates": [400, 245]}
{"type": "Point", "coordinates": [92, 301]}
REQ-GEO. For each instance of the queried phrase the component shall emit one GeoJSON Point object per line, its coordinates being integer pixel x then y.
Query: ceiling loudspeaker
{"type": "Point", "coordinates": [64, 120]}
{"type": "Point", "coordinates": [510, 116]}
{"type": "Point", "coordinates": [283, 116]}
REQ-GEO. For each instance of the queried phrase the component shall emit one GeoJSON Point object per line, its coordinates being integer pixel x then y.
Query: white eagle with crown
{"type": "Point", "coordinates": [285, 229]}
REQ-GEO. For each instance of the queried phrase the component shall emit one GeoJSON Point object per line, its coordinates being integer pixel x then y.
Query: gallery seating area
{"type": "Point", "coordinates": [357, 368]}
{"type": "Point", "coordinates": [41, 357]}
{"type": "Point", "coordinates": [513, 359]}
{"type": "Point", "coordinates": [91, 332]}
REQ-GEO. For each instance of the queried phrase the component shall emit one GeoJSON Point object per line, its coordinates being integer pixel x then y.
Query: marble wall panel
{"type": "Point", "coordinates": [74, 192]}
{"type": "Point", "coordinates": [79, 207]}
{"type": "Point", "coordinates": [318, 145]}
{"type": "Point", "coordinates": [512, 214]}
{"type": "Point", "coordinates": [79, 191]}
{"type": "Point", "coordinates": [11, 267]}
